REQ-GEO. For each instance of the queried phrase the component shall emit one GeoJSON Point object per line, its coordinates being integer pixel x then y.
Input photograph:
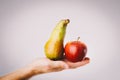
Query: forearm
{"type": "Point", "coordinates": [21, 74]}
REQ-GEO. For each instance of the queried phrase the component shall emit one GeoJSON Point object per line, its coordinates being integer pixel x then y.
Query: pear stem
{"type": "Point", "coordinates": [78, 38]}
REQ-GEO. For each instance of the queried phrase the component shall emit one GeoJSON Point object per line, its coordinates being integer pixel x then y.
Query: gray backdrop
{"type": "Point", "coordinates": [25, 26]}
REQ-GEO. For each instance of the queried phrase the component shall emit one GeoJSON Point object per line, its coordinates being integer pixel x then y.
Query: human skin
{"type": "Point", "coordinates": [41, 66]}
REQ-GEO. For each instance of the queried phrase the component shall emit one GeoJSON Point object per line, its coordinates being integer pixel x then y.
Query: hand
{"type": "Point", "coordinates": [45, 65]}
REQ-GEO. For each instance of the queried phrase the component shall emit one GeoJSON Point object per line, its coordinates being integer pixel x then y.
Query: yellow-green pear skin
{"type": "Point", "coordinates": [54, 47]}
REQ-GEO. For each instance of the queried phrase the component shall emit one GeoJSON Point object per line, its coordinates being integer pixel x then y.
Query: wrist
{"type": "Point", "coordinates": [29, 71]}
{"type": "Point", "coordinates": [33, 70]}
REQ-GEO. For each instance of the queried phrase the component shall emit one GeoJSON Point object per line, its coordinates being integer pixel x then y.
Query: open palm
{"type": "Point", "coordinates": [47, 65]}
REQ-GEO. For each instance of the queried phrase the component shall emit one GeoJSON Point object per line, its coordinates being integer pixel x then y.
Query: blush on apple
{"type": "Point", "coordinates": [75, 51]}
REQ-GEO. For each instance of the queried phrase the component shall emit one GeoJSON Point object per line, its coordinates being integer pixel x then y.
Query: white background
{"type": "Point", "coordinates": [25, 26]}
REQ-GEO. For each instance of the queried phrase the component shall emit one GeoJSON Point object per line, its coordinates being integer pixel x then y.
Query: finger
{"type": "Point", "coordinates": [86, 58]}
{"type": "Point", "coordinates": [78, 64]}
{"type": "Point", "coordinates": [83, 62]}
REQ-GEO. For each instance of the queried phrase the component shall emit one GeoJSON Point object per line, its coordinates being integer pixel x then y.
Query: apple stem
{"type": "Point", "coordinates": [78, 38]}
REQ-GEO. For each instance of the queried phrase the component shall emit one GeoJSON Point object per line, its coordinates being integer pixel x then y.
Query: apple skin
{"type": "Point", "coordinates": [75, 51]}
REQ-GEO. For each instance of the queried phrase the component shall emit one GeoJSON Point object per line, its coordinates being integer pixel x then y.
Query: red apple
{"type": "Point", "coordinates": [75, 51]}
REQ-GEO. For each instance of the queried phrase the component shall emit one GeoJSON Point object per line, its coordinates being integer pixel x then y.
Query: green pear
{"type": "Point", "coordinates": [54, 47]}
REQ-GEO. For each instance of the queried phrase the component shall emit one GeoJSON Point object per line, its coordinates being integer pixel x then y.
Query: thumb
{"type": "Point", "coordinates": [59, 65]}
